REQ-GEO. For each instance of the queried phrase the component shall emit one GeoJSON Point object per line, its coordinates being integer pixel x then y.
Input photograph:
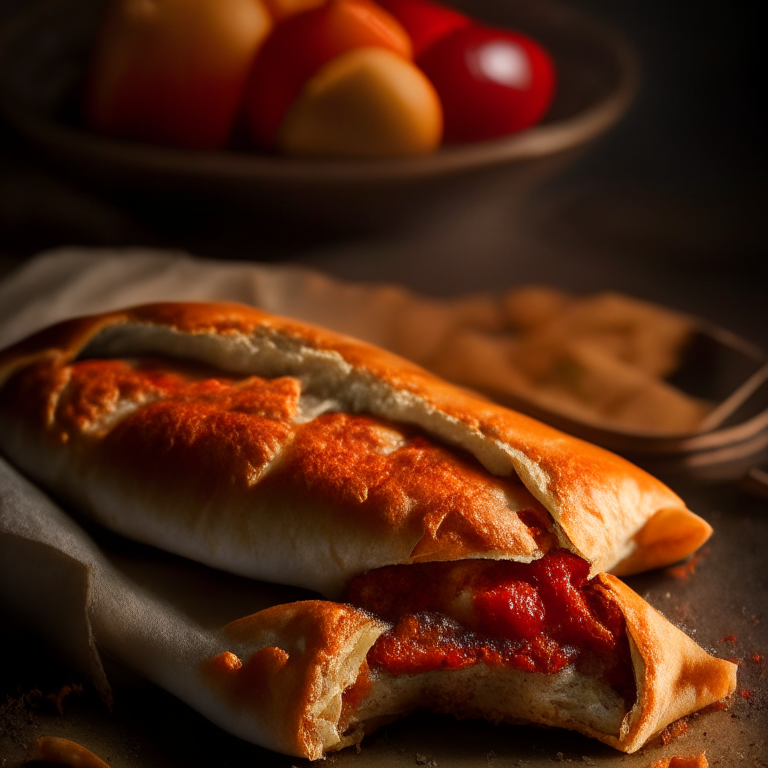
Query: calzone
{"type": "Point", "coordinates": [288, 453]}
{"type": "Point", "coordinates": [463, 544]}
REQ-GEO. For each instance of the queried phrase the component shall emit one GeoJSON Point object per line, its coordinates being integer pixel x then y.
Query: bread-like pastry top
{"type": "Point", "coordinates": [364, 458]}
{"type": "Point", "coordinates": [308, 654]}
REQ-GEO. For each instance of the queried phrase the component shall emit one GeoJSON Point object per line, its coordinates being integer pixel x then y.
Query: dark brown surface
{"type": "Point", "coordinates": [719, 598]}
{"type": "Point", "coordinates": [669, 207]}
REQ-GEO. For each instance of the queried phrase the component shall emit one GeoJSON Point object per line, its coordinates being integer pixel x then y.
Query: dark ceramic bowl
{"type": "Point", "coordinates": [43, 54]}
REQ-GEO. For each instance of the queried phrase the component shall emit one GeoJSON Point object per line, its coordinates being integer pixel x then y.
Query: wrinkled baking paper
{"type": "Point", "coordinates": [102, 596]}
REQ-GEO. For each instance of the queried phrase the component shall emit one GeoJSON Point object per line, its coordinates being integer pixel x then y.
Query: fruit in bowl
{"type": "Point", "coordinates": [339, 79]}
{"type": "Point", "coordinates": [172, 72]}
{"type": "Point", "coordinates": [333, 78]}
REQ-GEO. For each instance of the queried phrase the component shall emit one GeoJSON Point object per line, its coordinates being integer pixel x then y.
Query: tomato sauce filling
{"type": "Point", "coordinates": [536, 617]}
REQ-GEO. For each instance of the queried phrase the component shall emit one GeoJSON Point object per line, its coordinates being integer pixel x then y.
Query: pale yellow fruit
{"type": "Point", "coordinates": [368, 102]}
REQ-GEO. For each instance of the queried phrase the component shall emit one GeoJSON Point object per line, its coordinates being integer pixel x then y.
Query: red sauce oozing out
{"type": "Point", "coordinates": [537, 617]}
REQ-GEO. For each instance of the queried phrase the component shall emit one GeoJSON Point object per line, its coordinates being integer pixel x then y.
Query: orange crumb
{"type": "Point", "coordinates": [64, 691]}
{"type": "Point", "coordinates": [757, 658]}
{"type": "Point", "coordinates": [674, 731]}
{"type": "Point", "coordinates": [728, 639]}
{"type": "Point", "coordinates": [684, 570]}
{"type": "Point", "coordinates": [745, 694]}
{"type": "Point", "coordinates": [52, 749]}
{"type": "Point", "coordinates": [693, 761]}
{"type": "Point", "coordinates": [226, 661]}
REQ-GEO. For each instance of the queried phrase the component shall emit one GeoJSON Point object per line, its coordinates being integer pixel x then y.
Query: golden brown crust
{"type": "Point", "coordinates": [372, 468]}
{"type": "Point", "coordinates": [682, 761]}
{"type": "Point", "coordinates": [53, 749]}
{"type": "Point", "coordinates": [286, 669]}
{"type": "Point", "coordinates": [297, 660]}
{"type": "Point", "coordinates": [182, 444]}
{"type": "Point", "coordinates": [674, 675]}
{"type": "Point", "coordinates": [600, 505]}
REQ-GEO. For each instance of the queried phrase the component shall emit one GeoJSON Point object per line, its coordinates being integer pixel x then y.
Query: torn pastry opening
{"type": "Point", "coordinates": [505, 641]}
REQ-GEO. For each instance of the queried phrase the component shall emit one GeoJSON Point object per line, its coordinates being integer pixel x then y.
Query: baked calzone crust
{"type": "Point", "coordinates": [288, 453]}
{"type": "Point", "coordinates": [462, 544]}
{"type": "Point", "coordinates": [315, 676]}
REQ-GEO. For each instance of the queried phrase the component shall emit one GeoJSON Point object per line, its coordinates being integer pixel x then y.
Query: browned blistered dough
{"type": "Point", "coordinates": [53, 749]}
{"type": "Point", "coordinates": [288, 688]}
{"type": "Point", "coordinates": [285, 452]}
{"type": "Point", "coordinates": [309, 456]}
{"type": "Point", "coordinates": [682, 761]}
{"type": "Point", "coordinates": [674, 675]}
{"type": "Point", "coordinates": [287, 694]}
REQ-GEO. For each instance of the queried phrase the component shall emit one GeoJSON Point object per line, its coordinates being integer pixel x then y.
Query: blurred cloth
{"type": "Point", "coordinates": [600, 359]}
{"type": "Point", "coordinates": [67, 282]}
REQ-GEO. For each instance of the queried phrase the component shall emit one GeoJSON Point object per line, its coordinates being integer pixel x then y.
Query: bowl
{"type": "Point", "coordinates": [716, 366]}
{"type": "Point", "coordinates": [44, 53]}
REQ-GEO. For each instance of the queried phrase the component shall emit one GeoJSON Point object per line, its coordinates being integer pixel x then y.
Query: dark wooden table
{"type": "Point", "coordinates": [668, 206]}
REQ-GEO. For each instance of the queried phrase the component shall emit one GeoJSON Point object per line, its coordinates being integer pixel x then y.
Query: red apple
{"type": "Point", "coordinates": [425, 21]}
{"type": "Point", "coordinates": [491, 82]}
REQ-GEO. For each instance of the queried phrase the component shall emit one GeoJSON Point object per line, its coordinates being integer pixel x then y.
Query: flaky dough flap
{"type": "Point", "coordinates": [674, 675]}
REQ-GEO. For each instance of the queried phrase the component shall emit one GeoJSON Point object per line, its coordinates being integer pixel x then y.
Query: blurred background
{"type": "Point", "coordinates": [669, 203]}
